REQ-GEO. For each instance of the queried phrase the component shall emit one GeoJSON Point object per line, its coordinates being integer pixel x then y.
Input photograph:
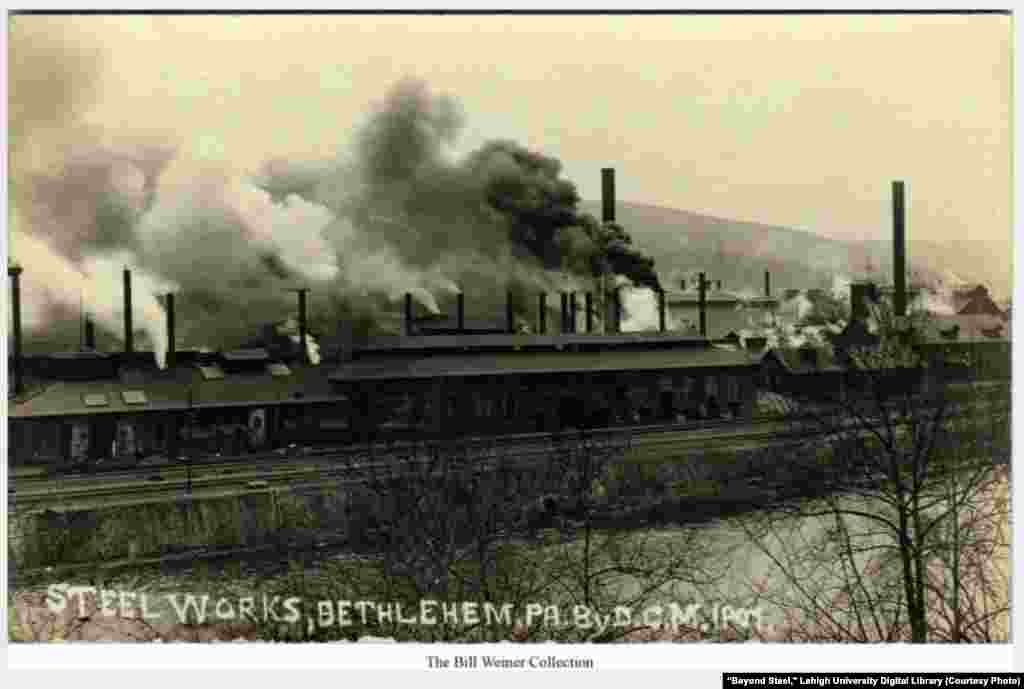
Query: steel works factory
{"type": "Point", "coordinates": [570, 366]}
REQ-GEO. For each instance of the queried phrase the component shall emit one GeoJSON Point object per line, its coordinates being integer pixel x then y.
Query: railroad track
{"type": "Point", "coordinates": [361, 463]}
{"type": "Point", "coordinates": [663, 442]}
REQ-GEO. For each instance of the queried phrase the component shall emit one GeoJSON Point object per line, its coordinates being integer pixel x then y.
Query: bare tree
{"type": "Point", "coordinates": [905, 537]}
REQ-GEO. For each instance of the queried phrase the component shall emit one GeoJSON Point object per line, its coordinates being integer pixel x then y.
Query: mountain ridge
{"type": "Point", "coordinates": [738, 252]}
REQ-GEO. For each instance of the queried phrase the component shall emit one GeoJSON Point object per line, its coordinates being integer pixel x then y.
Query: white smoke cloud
{"type": "Point", "coordinates": [641, 308]}
{"type": "Point", "coordinates": [293, 229]}
{"type": "Point", "coordinates": [95, 286]}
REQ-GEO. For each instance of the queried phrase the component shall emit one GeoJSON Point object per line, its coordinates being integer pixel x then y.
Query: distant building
{"type": "Point", "coordinates": [976, 302]}
{"type": "Point", "coordinates": [726, 311]}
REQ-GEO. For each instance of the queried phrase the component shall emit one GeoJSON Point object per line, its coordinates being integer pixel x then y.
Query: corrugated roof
{"type": "Point", "coordinates": [503, 363]}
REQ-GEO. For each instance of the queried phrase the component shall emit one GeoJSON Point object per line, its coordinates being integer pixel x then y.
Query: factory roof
{"type": "Point", "coordinates": [802, 360]}
{"type": "Point", "coordinates": [712, 296]}
{"type": "Point", "coordinates": [144, 389]}
{"type": "Point", "coordinates": [526, 341]}
{"type": "Point", "coordinates": [422, 365]}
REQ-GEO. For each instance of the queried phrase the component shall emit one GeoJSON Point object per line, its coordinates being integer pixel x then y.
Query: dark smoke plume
{"type": "Point", "coordinates": [404, 215]}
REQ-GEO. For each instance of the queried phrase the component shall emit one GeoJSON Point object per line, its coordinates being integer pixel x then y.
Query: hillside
{"type": "Point", "coordinates": [739, 252]}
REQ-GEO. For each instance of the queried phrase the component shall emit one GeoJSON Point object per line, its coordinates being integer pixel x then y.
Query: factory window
{"type": "Point", "coordinates": [98, 399]}
{"type": "Point", "coordinates": [46, 439]}
{"type": "Point", "coordinates": [134, 397]}
{"type": "Point", "coordinates": [732, 388]}
{"type": "Point", "coordinates": [510, 405]}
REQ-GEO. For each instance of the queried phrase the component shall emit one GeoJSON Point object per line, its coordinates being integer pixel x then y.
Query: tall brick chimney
{"type": "Point", "coordinates": [408, 314]}
{"type": "Point", "coordinates": [608, 194]}
{"type": "Point", "coordinates": [542, 313]}
{"type": "Point", "coordinates": [767, 283]}
{"type": "Point", "coordinates": [129, 341]}
{"type": "Point", "coordinates": [589, 307]}
{"type": "Point", "coordinates": [303, 326]}
{"type": "Point", "coordinates": [171, 347]}
{"type": "Point", "coordinates": [899, 252]}
{"type": "Point", "coordinates": [90, 334]}
{"type": "Point", "coordinates": [661, 311]}
{"type": "Point", "coordinates": [702, 304]}
{"type": "Point", "coordinates": [510, 317]}
{"type": "Point", "coordinates": [14, 272]}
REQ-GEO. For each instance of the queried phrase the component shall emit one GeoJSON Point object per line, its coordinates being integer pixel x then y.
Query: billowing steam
{"type": "Point", "coordinates": [94, 287]}
{"type": "Point", "coordinates": [401, 214]}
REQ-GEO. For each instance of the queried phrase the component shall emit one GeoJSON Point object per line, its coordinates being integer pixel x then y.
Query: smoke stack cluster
{"type": "Point", "coordinates": [899, 254]}
{"type": "Point", "coordinates": [589, 306]}
{"type": "Point", "coordinates": [767, 283]}
{"type": "Point", "coordinates": [542, 313]}
{"type": "Point", "coordinates": [407, 190]}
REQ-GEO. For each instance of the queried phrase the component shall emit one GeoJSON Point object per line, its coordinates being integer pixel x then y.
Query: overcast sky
{"type": "Point", "coordinates": [800, 121]}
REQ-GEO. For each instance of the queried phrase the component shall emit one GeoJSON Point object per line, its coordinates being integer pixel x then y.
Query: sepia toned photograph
{"type": "Point", "coordinates": [505, 329]}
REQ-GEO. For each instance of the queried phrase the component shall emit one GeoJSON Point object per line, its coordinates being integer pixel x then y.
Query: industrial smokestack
{"type": "Point", "coordinates": [702, 304]}
{"type": "Point", "coordinates": [542, 313]}
{"type": "Point", "coordinates": [617, 306]}
{"type": "Point", "coordinates": [89, 336]}
{"type": "Point", "coordinates": [408, 313]}
{"type": "Point", "coordinates": [303, 324]}
{"type": "Point", "coordinates": [608, 194]}
{"type": "Point", "coordinates": [572, 312]}
{"type": "Point", "coordinates": [564, 312]}
{"type": "Point", "coordinates": [899, 250]}
{"type": "Point", "coordinates": [171, 349]}
{"type": "Point", "coordinates": [14, 272]}
{"type": "Point", "coordinates": [129, 342]}
{"type": "Point", "coordinates": [682, 284]}
{"type": "Point", "coordinates": [589, 306]}
{"type": "Point", "coordinates": [460, 311]}
{"type": "Point", "coordinates": [718, 285]}
{"type": "Point", "coordinates": [767, 283]}
{"type": "Point", "coordinates": [661, 310]}
{"type": "Point", "coordinates": [510, 317]}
